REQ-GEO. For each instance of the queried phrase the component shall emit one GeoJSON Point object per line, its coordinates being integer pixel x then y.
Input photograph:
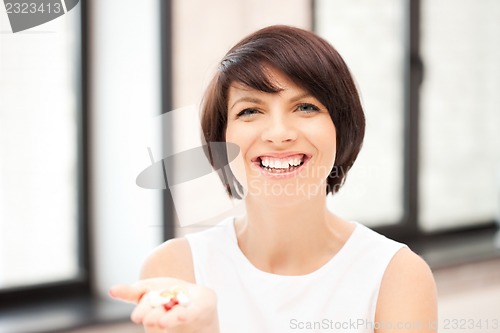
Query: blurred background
{"type": "Point", "coordinates": [80, 98]}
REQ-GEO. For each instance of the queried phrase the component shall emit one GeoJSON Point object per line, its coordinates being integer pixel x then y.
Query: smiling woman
{"type": "Point", "coordinates": [311, 66]}
{"type": "Point", "coordinates": [287, 99]}
{"type": "Point", "coordinates": [287, 136]}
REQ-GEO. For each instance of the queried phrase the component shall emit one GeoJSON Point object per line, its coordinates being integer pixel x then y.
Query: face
{"type": "Point", "coordinates": [287, 141]}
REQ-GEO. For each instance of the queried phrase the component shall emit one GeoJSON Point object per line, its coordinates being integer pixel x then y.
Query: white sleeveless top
{"type": "Point", "coordinates": [339, 296]}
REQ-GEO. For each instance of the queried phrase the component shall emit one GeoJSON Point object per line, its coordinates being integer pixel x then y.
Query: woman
{"type": "Point", "coordinates": [287, 99]}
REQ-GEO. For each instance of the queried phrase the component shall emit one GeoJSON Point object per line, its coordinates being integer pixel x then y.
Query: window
{"type": "Point", "coordinates": [429, 74]}
{"type": "Point", "coordinates": [41, 154]}
{"type": "Point", "coordinates": [370, 37]}
{"type": "Point", "coordinates": [460, 119]}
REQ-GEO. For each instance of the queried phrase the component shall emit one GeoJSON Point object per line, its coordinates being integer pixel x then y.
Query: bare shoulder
{"type": "Point", "coordinates": [406, 267]}
{"type": "Point", "coordinates": [407, 294]}
{"type": "Point", "coordinates": [171, 259]}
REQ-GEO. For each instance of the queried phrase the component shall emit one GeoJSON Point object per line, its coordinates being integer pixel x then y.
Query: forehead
{"type": "Point", "coordinates": [282, 84]}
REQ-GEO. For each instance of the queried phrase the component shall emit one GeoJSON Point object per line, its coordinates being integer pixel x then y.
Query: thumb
{"type": "Point", "coordinates": [128, 293]}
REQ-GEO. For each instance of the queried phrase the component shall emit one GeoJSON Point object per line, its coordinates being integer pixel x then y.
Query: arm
{"type": "Point", "coordinates": [407, 300]}
{"type": "Point", "coordinates": [171, 265]}
{"type": "Point", "coordinates": [173, 259]}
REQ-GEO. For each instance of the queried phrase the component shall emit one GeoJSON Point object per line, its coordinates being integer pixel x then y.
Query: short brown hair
{"type": "Point", "coordinates": [312, 64]}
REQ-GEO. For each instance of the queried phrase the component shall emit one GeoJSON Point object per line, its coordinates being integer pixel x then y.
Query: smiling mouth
{"type": "Point", "coordinates": [281, 165]}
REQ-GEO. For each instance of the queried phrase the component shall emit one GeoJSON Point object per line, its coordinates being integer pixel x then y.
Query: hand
{"type": "Point", "coordinates": [199, 315]}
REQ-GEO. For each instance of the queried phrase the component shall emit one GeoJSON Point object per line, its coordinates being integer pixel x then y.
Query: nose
{"type": "Point", "coordinates": [279, 130]}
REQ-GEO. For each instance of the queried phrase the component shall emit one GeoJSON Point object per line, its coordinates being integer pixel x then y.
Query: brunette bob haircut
{"type": "Point", "coordinates": [312, 64]}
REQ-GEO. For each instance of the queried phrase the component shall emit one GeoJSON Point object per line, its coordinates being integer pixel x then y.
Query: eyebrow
{"type": "Point", "coordinates": [301, 96]}
{"type": "Point", "coordinates": [259, 101]}
{"type": "Point", "coordinates": [247, 99]}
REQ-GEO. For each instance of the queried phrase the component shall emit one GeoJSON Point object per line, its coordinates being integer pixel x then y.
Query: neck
{"type": "Point", "coordinates": [293, 239]}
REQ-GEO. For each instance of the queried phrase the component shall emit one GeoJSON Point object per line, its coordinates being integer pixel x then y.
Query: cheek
{"type": "Point", "coordinates": [232, 129]}
{"type": "Point", "coordinates": [322, 131]}
{"type": "Point", "coordinates": [237, 167]}
{"type": "Point", "coordinates": [323, 135]}
{"type": "Point", "coordinates": [330, 142]}
{"type": "Point", "coordinates": [240, 134]}
{"type": "Point", "coordinates": [235, 135]}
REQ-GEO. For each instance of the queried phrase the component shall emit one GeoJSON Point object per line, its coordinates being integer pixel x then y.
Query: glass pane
{"type": "Point", "coordinates": [370, 36]}
{"type": "Point", "coordinates": [39, 73]}
{"type": "Point", "coordinates": [460, 115]}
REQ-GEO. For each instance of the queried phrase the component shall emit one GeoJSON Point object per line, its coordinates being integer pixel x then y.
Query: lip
{"type": "Point", "coordinates": [283, 175]}
{"type": "Point", "coordinates": [281, 155]}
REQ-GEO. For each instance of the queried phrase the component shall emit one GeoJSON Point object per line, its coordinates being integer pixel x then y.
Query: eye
{"type": "Point", "coordinates": [247, 113]}
{"type": "Point", "coordinates": [307, 108]}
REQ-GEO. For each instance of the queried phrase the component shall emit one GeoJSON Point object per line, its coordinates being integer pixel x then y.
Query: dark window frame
{"type": "Point", "coordinates": [169, 215]}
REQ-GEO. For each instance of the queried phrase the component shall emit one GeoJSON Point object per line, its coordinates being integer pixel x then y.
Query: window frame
{"type": "Point", "coordinates": [166, 21]}
{"type": "Point", "coordinates": [81, 285]}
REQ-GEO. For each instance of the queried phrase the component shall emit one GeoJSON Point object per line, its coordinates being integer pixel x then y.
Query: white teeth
{"type": "Point", "coordinates": [275, 163]}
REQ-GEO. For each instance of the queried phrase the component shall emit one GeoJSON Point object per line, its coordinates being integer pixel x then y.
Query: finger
{"type": "Point", "coordinates": [174, 317]}
{"type": "Point", "coordinates": [128, 293]}
{"type": "Point", "coordinates": [152, 317]}
{"type": "Point", "coordinates": [190, 313]}
{"type": "Point", "coordinates": [140, 311]}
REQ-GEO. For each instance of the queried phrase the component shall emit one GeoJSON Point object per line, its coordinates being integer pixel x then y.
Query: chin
{"type": "Point", "coordinates": [284, 193]}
